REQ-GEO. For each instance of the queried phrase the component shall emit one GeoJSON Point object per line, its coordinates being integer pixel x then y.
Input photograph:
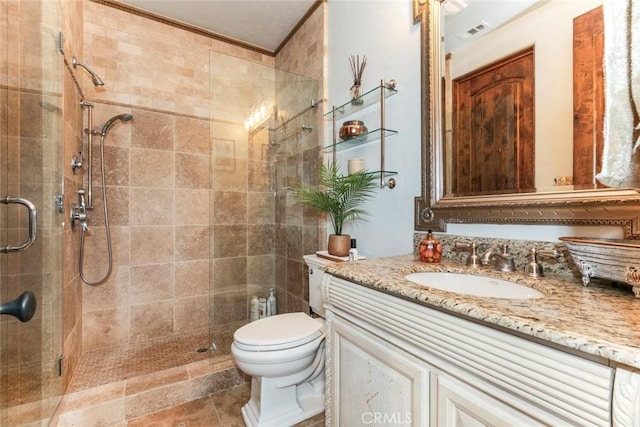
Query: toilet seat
{"type": "Point", "coordinates": [279, 332]}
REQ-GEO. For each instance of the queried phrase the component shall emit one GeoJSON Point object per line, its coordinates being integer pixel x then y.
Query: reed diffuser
{"type": "Point", "coordinates": [357, 68]}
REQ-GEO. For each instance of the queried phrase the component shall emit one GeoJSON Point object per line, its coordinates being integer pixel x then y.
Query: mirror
{"type": "Point", "coordinates": [509, 74]}
{"type": "Point", "coordinates": [436, 207]}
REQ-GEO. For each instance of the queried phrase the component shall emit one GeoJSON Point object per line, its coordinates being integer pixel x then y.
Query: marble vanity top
{"type": "Point", "coordinates": [599, 320]}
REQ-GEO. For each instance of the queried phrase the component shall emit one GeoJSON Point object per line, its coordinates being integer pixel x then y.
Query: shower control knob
{"type": "Point", "coordinates": [79, 216]}
{"type": "Point", "coordinates": [78, 213]}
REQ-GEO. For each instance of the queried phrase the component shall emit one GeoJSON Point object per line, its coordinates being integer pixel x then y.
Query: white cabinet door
{"type": "Point", "coordinates": [459, 404]}
{"type": "Point", "coordinates": [374, 382]}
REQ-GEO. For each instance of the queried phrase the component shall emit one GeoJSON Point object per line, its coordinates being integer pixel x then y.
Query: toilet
{"type": "Point", "coordinates": [285, 356]}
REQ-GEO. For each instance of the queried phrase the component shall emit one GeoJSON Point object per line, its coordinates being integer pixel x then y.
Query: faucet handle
{"type": "Point", "coordinates": [473, 260]}
{"type": "Point", "coordinates": [534, 268]}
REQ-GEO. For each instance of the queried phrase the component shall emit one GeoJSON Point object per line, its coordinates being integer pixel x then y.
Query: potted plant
{"type": "Point", "coordinates": [340, 196]}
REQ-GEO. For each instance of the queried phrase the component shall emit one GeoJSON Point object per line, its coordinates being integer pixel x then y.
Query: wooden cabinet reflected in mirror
{"type": "Point", "coordinates": [493, 141]}
{"type": "Point", "coordinates": [588, 97]}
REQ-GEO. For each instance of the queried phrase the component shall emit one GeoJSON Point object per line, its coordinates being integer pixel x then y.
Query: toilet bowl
{"type": "Point", "coordinates": [284, 354]}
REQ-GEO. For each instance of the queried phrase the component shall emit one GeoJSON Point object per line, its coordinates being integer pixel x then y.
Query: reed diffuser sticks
{"type": "Point", "coordinates": [357, 69]}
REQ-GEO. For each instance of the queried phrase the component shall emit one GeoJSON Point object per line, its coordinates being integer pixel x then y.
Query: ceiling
{"type": "Point", "coordinates": [468, 20]}
{"type": "Point", "coordinates": [264, 24]}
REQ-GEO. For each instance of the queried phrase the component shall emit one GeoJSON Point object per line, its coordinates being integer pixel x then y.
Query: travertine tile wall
{"type": "Point", "coordinates": [242, 213]}
{"type": "Point", "coordinates": [158, 194]}
{"type": "Point", "coordinates": [299, 231]}
{"type": "Point", "coordinates": [159, 180]}
{"type": "Point", "coordinates": [191, 195]}
{"type": "Point", "coordinates": [72, 28]}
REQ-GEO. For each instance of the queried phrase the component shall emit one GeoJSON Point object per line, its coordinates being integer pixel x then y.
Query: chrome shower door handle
{"type": "Point", "coordinates": [33, 224]}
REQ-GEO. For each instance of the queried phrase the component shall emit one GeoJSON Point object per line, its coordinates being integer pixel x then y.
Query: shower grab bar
{"type": "Point", "coordinates": [33, 222]}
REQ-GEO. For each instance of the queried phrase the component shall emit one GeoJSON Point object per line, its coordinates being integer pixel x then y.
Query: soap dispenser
{"type": "Point", "coordinates": [430, 249]}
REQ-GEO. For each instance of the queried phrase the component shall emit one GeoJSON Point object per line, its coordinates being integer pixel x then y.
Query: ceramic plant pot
{"type": "Point", "coordinates": [339, 244]}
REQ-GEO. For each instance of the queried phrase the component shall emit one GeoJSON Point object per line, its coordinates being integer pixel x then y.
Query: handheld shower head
{"type": "Point", "coordinates": [97, 81]}
{"type": "Point", "coordinates": [112, 120]}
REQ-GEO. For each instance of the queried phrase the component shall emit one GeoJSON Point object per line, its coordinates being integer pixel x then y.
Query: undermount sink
{"type": "Point", "coordinates": [468, 284]}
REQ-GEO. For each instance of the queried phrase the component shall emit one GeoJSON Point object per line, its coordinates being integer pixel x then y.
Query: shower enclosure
{"type": "Point", "coordinates": [30, 169]}
{"type": "Point", "coordinates": [258, 231]}
{"type": "Point", "coordinates": [200, 212]}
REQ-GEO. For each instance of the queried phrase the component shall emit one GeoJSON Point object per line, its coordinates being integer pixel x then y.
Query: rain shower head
{"type": "Point", "coordinates": [97, 81]}
{"type": "Point", "coordinates": [112, 120]}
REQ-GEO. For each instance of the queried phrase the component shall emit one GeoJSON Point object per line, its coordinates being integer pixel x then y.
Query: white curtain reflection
{"type": "Point", "coordinates": [621, 157]}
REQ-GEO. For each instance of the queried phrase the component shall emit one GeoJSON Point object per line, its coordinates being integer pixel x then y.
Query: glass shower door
{"type": "Point", "coordinates": [30, 224]}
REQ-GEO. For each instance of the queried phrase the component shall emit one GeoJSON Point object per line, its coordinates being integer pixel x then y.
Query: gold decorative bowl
{"type": "Point", "coordinates": [352, 129]}
{"type": "Point", "coordinates": [610, 259]}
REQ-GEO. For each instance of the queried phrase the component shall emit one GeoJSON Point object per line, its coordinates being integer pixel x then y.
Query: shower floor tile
{"type": "Point", "coordinates": [109, 365]}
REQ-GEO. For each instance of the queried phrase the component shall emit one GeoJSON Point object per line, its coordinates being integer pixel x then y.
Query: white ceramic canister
{"type": "Point", "coordinates": [355, 165]}
{"type": "Point", "coordinates": [255, 309]}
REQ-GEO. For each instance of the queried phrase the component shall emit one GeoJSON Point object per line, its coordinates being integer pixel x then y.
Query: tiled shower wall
{"type": "Point", "coordinates": [72, 111]}
{"type": "Point", "coordinates": [191, 199]}
{"type": "Point", "coordinates": [299, 231]}
{"type": "Point", "coordinates": [157, 177]}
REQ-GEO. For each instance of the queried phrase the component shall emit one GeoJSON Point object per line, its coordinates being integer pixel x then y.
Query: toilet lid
{"type": "Point", "coordinates": [280, 331]}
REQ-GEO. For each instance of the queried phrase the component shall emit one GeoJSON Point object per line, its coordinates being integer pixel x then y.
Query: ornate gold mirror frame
{"type": "Point", "coordinates": [613, 207]}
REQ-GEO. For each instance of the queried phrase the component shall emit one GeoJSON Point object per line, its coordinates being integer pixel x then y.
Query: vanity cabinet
{"type": "Point", "coordinates": [387, 355]}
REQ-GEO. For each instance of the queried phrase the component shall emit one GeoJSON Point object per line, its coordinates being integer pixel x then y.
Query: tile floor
{"type": "Point", "coordinates": [142, 374]}
{"type": "Point", "coordinates": [221, 409]}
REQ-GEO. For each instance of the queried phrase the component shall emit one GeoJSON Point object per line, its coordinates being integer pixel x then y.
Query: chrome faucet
{"type": "Point", "coordinates": [473, 260]}
{"type": "Point", "coordinates": [534, 267]}
{"type": "Point", "coordinates": [501, 261]}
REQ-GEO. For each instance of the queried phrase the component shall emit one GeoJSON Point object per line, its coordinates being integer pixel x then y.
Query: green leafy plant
{"type": "Point", "coordinates": [338, 195]}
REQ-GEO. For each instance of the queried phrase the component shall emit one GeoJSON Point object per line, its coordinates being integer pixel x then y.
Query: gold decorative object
{"type": "Point", "coordinates": [352, 129]}
{"type": "Point", "coordinates": [611, 259]}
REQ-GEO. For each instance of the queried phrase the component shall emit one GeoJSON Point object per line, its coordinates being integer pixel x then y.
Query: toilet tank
{"type": "Point", "coordinates": [315, 280]}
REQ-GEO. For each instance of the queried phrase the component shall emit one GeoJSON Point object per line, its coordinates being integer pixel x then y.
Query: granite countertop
{"type": "Point", "coordinates": [600, 319]}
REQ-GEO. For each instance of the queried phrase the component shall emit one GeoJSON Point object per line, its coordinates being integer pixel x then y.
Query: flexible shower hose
{"type": "Point", "coordinates": [106, 225]}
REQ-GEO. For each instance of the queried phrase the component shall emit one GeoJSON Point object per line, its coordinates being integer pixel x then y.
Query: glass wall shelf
{"type": "Point", "coordinates": [377, 95]}
{"type": "Point", "coordinates": [381, 174]}
{"type": "Point", "coordinates": [359, 141]}
{"type": "Point", "coordinates": [363, 101]}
